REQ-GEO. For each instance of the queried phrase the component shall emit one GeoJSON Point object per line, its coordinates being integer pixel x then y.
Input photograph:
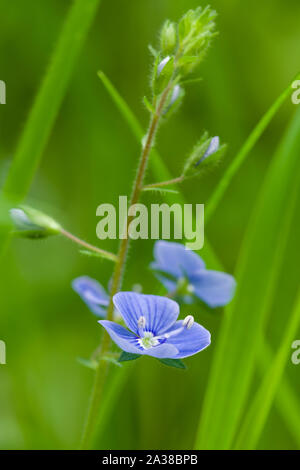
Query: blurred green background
{"type": "Point", "coordinates": [90, 159]}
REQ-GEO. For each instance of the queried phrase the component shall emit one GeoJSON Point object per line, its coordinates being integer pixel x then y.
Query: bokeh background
{"type": "Point", "coordinates": [90, 159]}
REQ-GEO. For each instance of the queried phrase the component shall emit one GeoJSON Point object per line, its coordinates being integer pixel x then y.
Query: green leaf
{"type": "Point", "coordinates": [262, 402]}
{"type": "Point", "coordinates": [125, 356]}
{"type": "Point", "coordinates": [47, 103]}
{"type": "Point", "coordinates": [286, 400]}
{"type": "Point", "coordinates": [112, 360]}
{"type": "Point", "coordinates": [242, 328]}
{"type": "Point", "coordinates": [249, 144]}
{"type": "Point", "coordinates": [177, 363]}
{"type": "Point", "coordinates": [148, 105]}
{"type": "Point", "coordinates": [161, 190]}
{"type": "Point", "coordinates": [90, 364]}
{"type": "Point", "coordinates": [94, 254]}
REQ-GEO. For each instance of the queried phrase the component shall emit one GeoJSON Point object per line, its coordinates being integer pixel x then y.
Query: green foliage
{"type": "Point", "coordinates": [125, 356]}
{"type": "Point", "coordinates": [43, 390]}
{"type": "Point", "coordinates": [286, 400]}
{"type": "Point", "coordinates": [261, 403]}
{"type": "Point", "coordinates": [245, 318]}
{"type": "Point", "coordinates": [177, 363]}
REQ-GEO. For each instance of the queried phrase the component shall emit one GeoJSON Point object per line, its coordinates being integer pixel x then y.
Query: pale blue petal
{"type": "Point", "coordinates": [163, 351]}
{"type": "Point", "coordinates": [160, 312]}
{"type": "Point", "coordinates": [215, 288]}
{"type": "Point", "coordinates": [173, 258]}
{"type": "Point", "coordinates": [168, 283]}
{"type": "Point", "coordinates": [122, 337]}
{"type": "Point", "coordinates": [92, 293]}
{"type": "Point", "coordinates": [189, 341]}
{"type": "Point", "coordinates": [128, 342]}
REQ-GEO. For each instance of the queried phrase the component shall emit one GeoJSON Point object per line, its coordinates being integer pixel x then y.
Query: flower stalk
{"type": "Point", "coordinates": [88, 246]}
{"type": "Point", "coordinates": [102, 369]}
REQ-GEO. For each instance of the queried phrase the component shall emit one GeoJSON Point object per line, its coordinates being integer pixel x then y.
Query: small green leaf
{"type": "Point", "coordinates": [177, 363]}
{"type": "Point", "coordinates": [89, 363]}
{"type": "Point", "coordinates": [95, 254]}
{"type": "Point", "coordinates": [112, 360]}
{"type": "Point", "coordinates": [148, 105]}
{"type": "Point", "coordinates": [161, 190]}
{"type": "Point", "coordinates": [125, 356]}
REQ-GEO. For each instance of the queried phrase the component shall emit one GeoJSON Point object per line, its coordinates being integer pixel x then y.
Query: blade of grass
{"type": "Point", "coordinates": [245, 150]}
{"type": "Point", "coordinates": [46, 106]}
{"type": "Point", "coordinates": [286, 399]}
{"type": "Point", "coordinates": [261, 405]}
{"type": "Point", "coordinates": [243, 323]}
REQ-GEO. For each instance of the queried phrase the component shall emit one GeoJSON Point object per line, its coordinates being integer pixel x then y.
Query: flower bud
{"type": "Point", "coordinates": [31, 223]}
{"type": "Point", "coordinates": [168, 37]}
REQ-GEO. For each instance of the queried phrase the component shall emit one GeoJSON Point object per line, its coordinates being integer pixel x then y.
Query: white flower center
{"type": "Point", "coordinates": [148, 340]}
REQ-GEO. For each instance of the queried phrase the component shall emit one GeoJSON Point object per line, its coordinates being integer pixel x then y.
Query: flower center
{"type": "Point", "coordinates": [184, 287]}
{"type": "Point", "coordinates": [148, 340]}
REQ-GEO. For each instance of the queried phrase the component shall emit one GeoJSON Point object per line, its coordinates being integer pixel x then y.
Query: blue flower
{"type": "Point", "coordinates": [155, 330]}
{"type": "Point", "coordinates": [92, 293]}
{"type": "Point", "coordinates": [183, 273]}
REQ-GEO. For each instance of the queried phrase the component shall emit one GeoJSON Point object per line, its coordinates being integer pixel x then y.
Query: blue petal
{"type": "Point", "coordinates": [175, 259]}
{"type": "Point", "coordinates": [92, 293]}
{"type": "Point", "coordinates": [168, 283]}
{"type": "Point", "coordinates": [189, 342]}
{"type": "Point", "coordinates": [128, 342]}
{"type": "Point", "coordinates": [163, 351]}
{"type": "Point", "coordinates": [214, 288]}
{"type": "Point", "coordinates": [122, 337]}
{"type": "Point", "coordinates": [160, 312]}
{"type": "Point", "coordinates": [213, 147]}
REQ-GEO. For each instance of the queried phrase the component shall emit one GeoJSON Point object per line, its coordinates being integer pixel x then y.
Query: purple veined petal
{"type": "Point", "coordinates": [189, 341]}
{"type": "Point", "coordinates": [215, 288]}
{"type": "Point", "coordinates": [125, 339]}
{"type": "Point", "coordinates": [92, 293]}
{"type": "Point", "coordinates": [160, 312]}
{"type": "Point", "coordinates": [175, 259]}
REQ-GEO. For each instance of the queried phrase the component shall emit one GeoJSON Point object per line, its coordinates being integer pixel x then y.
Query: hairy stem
{"type": "Point", "coordinates": [103, 365]}
{"type": "Point", "coordinates": [88, 246]}
{"type": "Point", "coordinates": [179, 179]}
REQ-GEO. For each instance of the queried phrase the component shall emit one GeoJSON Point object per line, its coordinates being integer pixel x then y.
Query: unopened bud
{"type": "Point", "coordinates": [168, 37]}
{"type": "Point", "coordinates": [212, 148]}
{"type": "Point", "coordinates": [162, 64]}
{"type": "Point", "coordinates": [31, 223]}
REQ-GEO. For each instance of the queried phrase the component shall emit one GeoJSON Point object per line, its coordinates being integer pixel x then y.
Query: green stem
{"type": "Point", "coordinates": [179, 179]}
{"type": "Point", "coordinates": [88, 246]}
{"type": "Point", "coordinates": [102, 368]}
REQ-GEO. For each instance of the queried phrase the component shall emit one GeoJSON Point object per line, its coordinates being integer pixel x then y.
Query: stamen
{"type": "Point", "coordinates": [188, 322]}
{"type": "Point", "coordinates": [141, 325]}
